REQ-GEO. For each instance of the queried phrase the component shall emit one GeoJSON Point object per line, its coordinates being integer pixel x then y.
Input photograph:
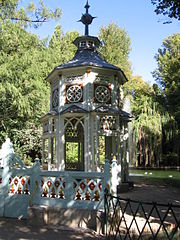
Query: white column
{"type": "Point", "coordinates": [114, 178]}
{"type": "Point", "coordinates": [49, 153]}
{"type": "Point", "coordinates": [57, 143]}
{"type": "Point", "coordinates": [97, 142]}
{"type": "Point", "coordinates": [60, 145]}
{"type": "Point", "coordinates": [125, 149]}
{"type": "Point", "coordinates": [121, 141]}
{"type": "Point", "coordinates": [86, 142]}
{"type": "Point", "coordinates": [118, 150]}
{"type": "Point", "coordinates": [43, 149]}
{"type": "Point", "coordinates": [89, 161]}
{"type": "Point", "coordinates": [92, 131]}
{"type": "Point", "coordinates": [49, 143]}
{"type": "Point", "coordinates": [126, 160]}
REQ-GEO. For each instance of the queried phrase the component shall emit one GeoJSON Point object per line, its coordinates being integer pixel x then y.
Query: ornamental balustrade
{"type": "Point", "coordinates": [21, 186]}
{"type": "Point", "coordinates": [66, 189]}
{"type": "Point", "coordinates": [73, 189]}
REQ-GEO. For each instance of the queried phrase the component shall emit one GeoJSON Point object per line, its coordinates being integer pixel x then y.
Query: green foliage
{"type": "Point", "coordinates": [170, 159]}
{"type": "Point", "coordinates": [23, 91]}
{"type": "Point", "coordinates": [146, 122]}
{"type": "Point", "coordinates": [170, 8]}
{"type": "Point", "coordinates": [72, 152]}
{"type": "Point", "coordinates": [168, 74]}
{"type": "Point", "coordinates": [28, 141]}
{"type": "Point", "coordinates": [116, 46]}
{"type": "Point", "coordinates": [102, 149]}
{"type": "Point", "coordinates": [24, 94]}
{"type": "Point", "coordinates": [154, 129]}
{"type": "Point", "coordinates": [62, 45]}
{"type": "Point", "coordinates": [29, 14]}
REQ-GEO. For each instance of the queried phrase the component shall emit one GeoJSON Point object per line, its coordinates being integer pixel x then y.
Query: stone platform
{"type": "Point", "coordinates": [71, 217]}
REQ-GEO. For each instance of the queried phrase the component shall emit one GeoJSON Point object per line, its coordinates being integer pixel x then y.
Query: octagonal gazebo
{"type": "Point", "coordinates": [86, 122]}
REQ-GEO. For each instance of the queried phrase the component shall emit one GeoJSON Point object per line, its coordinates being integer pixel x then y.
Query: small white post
{"type": "Point", "coordinates": [35, 184]}
{"type": "Point", "coordinates": [114, 178]}
{"type": "Point", "coordinates": [107, 176]}
{"type": "Point", "coordinates": [6, 150]}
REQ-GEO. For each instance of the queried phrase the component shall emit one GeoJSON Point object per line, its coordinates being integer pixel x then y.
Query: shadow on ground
{"type": "Point", "coordinates": [19, 230]}
{"type": "Point", "coordinates": [153, 192]}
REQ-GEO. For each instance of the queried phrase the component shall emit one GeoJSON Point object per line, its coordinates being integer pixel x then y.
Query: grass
{"type": "Point", "coordinates": [171, 177]}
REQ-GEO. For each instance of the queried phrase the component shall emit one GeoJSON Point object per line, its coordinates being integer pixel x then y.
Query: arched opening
{"type": "Point", "coordinates": [74, 145]}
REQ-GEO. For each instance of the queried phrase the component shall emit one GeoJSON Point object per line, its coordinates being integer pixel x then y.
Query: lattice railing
{"type": "Point", "coordinates": [19, 185]}
{"type": "Point", "coordinates": [76, 189]}
{"type": "Point", "coordinates": [88, 189]}
{"type": "Point", "coordinates": [129, 219]}
{"type": "Point", "coordinates": [79, 188]}
{"type": "Point", "coordinates": [52, 187]}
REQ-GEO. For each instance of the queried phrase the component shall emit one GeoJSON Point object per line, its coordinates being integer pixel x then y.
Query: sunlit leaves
{"type": "Point", "coordinates": [168, 73]}
{"type": "Point", "coordinates": [116, 46]}
{"type": "Point", "coordinates": [30, 14]}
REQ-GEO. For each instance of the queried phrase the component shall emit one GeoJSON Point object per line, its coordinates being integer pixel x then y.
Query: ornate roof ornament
{"type": "Point", "coordinates": [86, 19]}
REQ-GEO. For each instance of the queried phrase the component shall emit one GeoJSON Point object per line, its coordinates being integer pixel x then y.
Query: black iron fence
{"type": "Point", "coordinates": [129, 219]}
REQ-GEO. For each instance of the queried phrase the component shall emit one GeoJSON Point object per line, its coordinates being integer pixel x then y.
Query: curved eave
{"type": "Point", "coordinates": [73, 109]}
{"type": "Point", "coordinates": [84, 64]}
{"type": "Point", "coordinates": [47, 115]}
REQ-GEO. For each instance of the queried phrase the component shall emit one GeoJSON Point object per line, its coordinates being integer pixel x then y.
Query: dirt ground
{"type": "Point", "coordinates": [14, 229]}
{"type": "Point", "coordinates": [19, 229]}
{"type": "Point", "coordinates": [161, 193]}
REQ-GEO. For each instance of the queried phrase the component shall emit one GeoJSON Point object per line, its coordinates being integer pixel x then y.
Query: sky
{"type": "Point", "coordinates": [145, 29]}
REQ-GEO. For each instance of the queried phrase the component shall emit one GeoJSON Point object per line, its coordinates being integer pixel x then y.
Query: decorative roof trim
{"type": "Point", "coordinates": [109, 110]}
{"type": "Point", "coordinates": [74, 109]}
{"type": "Point", "coordinates": [51, 113]}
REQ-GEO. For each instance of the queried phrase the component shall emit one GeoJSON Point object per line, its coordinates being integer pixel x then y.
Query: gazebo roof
{"type": "Point", "coordinates": [87, 57]}
{"type": "Point", "coordinates": [87, 54]}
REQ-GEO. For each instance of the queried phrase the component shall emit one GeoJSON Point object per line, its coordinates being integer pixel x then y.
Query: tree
{"type": "Point", "coordinates": [24, 94]}
{"type": "Point", "coordinates": [171, 8]}
{"type": "Point", "coordinates": [24, 61]}
{"type": "Point", "coordinates": [167, 75]}
{"type": "Point", "coordinates": [62, 45]}
{"type": "Point", "coordinates": [116, 47]}
{"type": "Point", "coordinates": [30, 14]}
{"type": "Point", "coordinates": [146, 124]}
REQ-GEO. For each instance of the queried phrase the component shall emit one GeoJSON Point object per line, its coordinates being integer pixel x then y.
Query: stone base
{"type": "Point", "coordinates": [71, 217]}
{"type": "Point", "coordinates": [124, 187]}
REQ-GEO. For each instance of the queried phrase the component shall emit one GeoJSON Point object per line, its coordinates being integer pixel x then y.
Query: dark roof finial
{"type": "Point", "coordinates": [86, 19]}
{"type": "Point", "coordinates": [87, 6]}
